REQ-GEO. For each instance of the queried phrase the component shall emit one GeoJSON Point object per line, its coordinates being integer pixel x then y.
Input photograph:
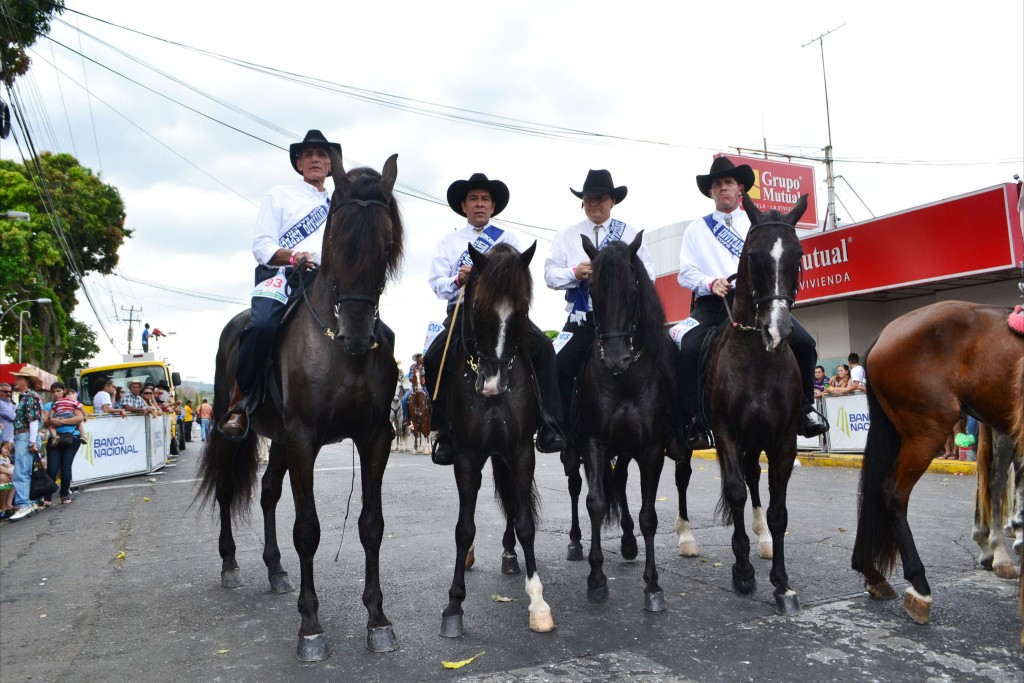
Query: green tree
{"type": "Point", "coordinates": [22, 21]}
{"type": "Point", "coordinates": [80, 348]}
{"type": "Point", "coordinates": [77, 231]}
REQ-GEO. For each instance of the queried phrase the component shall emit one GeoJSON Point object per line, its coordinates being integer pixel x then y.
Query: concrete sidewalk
{"type": "Point", "coordinates": [812, 459]}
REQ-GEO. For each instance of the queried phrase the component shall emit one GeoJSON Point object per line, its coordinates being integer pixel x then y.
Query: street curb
{"type": "Point", "coordinates": [955, 467]}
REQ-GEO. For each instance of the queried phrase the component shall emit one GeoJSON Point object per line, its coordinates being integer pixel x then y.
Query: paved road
{"type": "Point", "coordinates": [72, 611]}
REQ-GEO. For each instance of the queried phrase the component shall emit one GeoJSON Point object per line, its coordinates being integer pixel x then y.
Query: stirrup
{"type": "Point", "coordinates": [226, 417]}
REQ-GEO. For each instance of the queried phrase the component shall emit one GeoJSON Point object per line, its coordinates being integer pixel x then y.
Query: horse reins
{"type": "Point", "coordinates": [338, 297]}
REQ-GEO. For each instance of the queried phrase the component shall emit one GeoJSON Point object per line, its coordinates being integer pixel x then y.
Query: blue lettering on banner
{"type": "Point", "coordinates": [111, 446]}
{"type": "Point", "coordinates": [853, 422]}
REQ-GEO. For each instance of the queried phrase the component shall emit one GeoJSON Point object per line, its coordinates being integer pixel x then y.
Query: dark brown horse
{"type": "Point", "coordinates": [925, 369]}
{"type": "Point", "coordinates": [419, 414]}
{"type": "Point", "coordinates": [754, 390]}
{"type": "Point", "coordinates": [330, 384]}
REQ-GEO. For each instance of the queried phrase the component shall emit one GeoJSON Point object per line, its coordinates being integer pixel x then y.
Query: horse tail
{"type": "Point", "coordinates": [505, 493]}
{"type": "Point", "coordinates": [983, 501]}
{"type": "Point", "coordinates": [228, 469]}
{"type": "Point", "coordinates": [614, 484]}
{"type": "Point", "coordinates": [875, 545]}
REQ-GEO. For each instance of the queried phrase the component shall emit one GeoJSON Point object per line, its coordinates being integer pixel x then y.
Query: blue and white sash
{"type": "Point", "coordinates": [305, 226]}
{"type": "Point", "coordinates": [579, 296]}
{"type": "Point", "coordinates": [483, 243]}
{"type": "Point", "coordinates": [728, 239]}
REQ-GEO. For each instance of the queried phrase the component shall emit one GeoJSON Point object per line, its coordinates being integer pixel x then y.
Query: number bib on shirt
{"type": "Point", "coordinates": [274, 287]}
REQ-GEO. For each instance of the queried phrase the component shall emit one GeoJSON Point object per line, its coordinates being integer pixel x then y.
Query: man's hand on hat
{"type": "Point", "coordinates": [463, 275]}
{"type": "Point", "coordinates": [583, 271]}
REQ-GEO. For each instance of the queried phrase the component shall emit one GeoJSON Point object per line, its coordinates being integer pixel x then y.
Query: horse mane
{"type": "Point", "coordinates": [356, 250]}
{"type": "Point", "coordinates": [504, 279]}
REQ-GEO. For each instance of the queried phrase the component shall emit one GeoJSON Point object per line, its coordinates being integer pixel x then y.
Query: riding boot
{"type": "Point", "coordinates": [235, 425]}
{"type": "Point", "coordinates": [698, 436]}
{"type": "Point", "coordinates": [443, 452]}
{"type": "Point", "coordinates": [812, 423]}
{"type": "Point", "coordinates": [550, 438]}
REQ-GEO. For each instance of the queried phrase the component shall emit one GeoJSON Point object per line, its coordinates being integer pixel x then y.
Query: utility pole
{"type": "Point", "coordinates": [830, 179]}
{"type": "Point", "coordinates": [131, 319]}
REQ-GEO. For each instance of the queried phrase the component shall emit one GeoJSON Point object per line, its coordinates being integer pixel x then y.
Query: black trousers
{"type": "Point", "coordinates": [256, 342]}
{"type": "Point", "coordinates": [710, 313]}
{"type": "Point", "coordinates": [571, 359]}
{"type": "Point", "coordinates": [542, 355]}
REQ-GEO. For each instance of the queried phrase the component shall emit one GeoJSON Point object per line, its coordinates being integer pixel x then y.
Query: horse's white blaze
{"type": "Point", "coordinates": [536, 592]}
{"type": "Point", "coordinates": [504, 311]}
{"type": "Point", "coordinates": [778, 306]}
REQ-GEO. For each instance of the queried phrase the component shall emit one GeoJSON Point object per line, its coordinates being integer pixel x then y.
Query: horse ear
{"type": "Point", "coordinates": [389, 176]}
{"type": "Point", "coordinates": [588, 247]}
{"type": "Point", "coordinates": [752, 212]}
{"type": "Point", "coordinates": [478, 258]}
{"type": "Point", "coordinates": [794, 216]}
{"type": "Point", "coordinates": [342, 185]}
{"type": "Point", "coordinates": [527, 255]}
{"type": "Point", "coordinates": [634, 246]}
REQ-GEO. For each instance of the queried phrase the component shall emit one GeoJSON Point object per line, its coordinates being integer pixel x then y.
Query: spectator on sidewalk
{"type": "Point", "coordinates": [6, 478]}
{"type": "Point", "coordinates": [62, 416]}
{"type": "Point", "coordinates": [27, 423]}
{"type": "Point", "coordinates": [858, 380]}
{"type": "Point", "coordinates": [6, 412]}
{"type": "Point", "coordinates": [205, 414]}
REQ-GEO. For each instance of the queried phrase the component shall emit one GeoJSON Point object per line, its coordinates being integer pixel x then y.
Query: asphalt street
{"type": "Point", "coordinates": [124, 585]}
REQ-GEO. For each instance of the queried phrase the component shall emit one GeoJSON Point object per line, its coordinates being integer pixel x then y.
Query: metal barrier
{"type": "Point", "coordinates": [116, 447]}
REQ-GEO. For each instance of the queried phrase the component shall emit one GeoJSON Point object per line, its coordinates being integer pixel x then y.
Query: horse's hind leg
{"type": "Point", "coordinates": [312, 646]}
{"type": "Point", "coordinates": [273, 477]}
{"type": "Point", "coordinates": [752, 473]}
{"type": "Point", "coordinates": [571, 465]}
{"type": "Point", "coordinates": [999, 479]}
{"type": "Point", "coordinates": [509, 561]}
{"type": "Point", "coordinates": [654, 598]}
{"type": "Point", "coordinates": [1016, 523]}
{"type": "Point", "coordinates": [780, 469]}
{"type": "Point", "coordinates": [627, 547]}
{"type": "Point", "coordinates": [684, 470]}
{"type": "Point", "coordinates": [373, 460]}
{"type": "Point", "coordinates": [467, 478]}
{"type": "Point", "coordinates": [522, 473]}
{"type": "Point", "coordinates": [914, 457]}
{"type": "Point", "coordinates": [734, 494]}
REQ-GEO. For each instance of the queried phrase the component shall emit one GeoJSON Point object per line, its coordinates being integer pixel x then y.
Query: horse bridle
{"type": "Point", "coordinates": [758, 300]}
{"type": "Point", "coordinates": [340, 298]}
{"type": "Point", "coordinates": [603, 336]}
{"type": "Point", "coordinates": [473, 356]}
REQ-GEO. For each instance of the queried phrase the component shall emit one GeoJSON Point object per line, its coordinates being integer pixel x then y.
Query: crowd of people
{"type": "Point", "coordinates": [48, 434]}
{"type": "Point", "coordinates": [849, 378]}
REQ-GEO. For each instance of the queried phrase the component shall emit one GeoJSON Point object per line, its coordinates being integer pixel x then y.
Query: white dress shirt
{"type": "Point", "coordinates": [703, 259]}
{"type": "Point", "coordinates": [567, 253]}
{"type": "Point", "coordinates": [444, 267]}
{"type": "Point", "coordinates": [284, 206]}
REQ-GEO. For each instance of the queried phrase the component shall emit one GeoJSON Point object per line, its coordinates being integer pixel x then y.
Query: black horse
{"type": "Point", "coordinates": [328, 385]}
{"type": "Point", "coordinates": [622, 411]}
{"type": "Point", "coordinates": [493, 407]}
{"type": "Point", "coordinates": [754, 390]}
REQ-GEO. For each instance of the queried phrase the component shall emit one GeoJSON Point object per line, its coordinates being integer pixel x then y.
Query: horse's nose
{"type": "Point", "coordinates": [357, 345]}
{"type": "Point", "coordinates": [491, 386]}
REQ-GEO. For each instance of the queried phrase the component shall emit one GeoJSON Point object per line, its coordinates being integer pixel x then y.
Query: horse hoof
{"type": "Point", "coordinates": [744, 586]}
{"type": "Point", "coordinates": [1005, 571]}
{"type": "Point", "coordinates": [509, 563]}
{"type": "Point", "coordinates": [313, 648]}
{"type": "Point", "coordinates": [787, 604]}
{"type": "Point", "coordinates": [470, 557]}
{"type": "Point", "coordinates": [917, 606]}
{"type": "Point", "coordinates": [599, 594]}
{"type": "Point", "coordinates": [628, 548]}
{"type": "Point", "coordinates": [986, 561]}
{"type": "Point", "coordinates": [541, 621]}
{"type": "Point", "coordinates": [381, 639]}
{"type": "Point", "coordinates": [451, 626]}
{"type": "Point", "coordinates": [574, 552]}
{"type": "Point", "coordinates": [688, 549]}
{"type": "Point", "coordinates": [765, 550]}
{"type": "Point", "coordinates": [280, 583]}
{"type": "Point", "coordinates": [232, 578]}
{"type": "Point", "coordinates": [881, 590]}
{"type": "Point", "coordinates": [655, 602]}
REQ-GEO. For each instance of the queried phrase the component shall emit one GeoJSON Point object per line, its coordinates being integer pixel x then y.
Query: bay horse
{"type": "Point", "coordinates": [1000, 498]}
{"type": "Point", "coordinates": [754, 390]}
{"type": "Point", "coordinates": [492, 404]}
{"type": "Point", "coordinates": [926, 368]}
{"type": "Point", "coordinates": [622, 411]}
{"type": "Point", "coordinates": [328, 385]}
{"type": "Point", "coordinates": [419, 413]}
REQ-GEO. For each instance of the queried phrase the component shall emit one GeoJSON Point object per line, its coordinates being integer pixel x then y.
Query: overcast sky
{"type": "Point", "coordinates": [926, 102]}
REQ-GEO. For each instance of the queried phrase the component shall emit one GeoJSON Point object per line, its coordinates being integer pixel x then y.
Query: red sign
{"type": "Point", "coordinates": [674, 298]}
{"type": "Point", "coordinates": [778, 185]}
{"type": "Point", "coordinates": [966, 235]}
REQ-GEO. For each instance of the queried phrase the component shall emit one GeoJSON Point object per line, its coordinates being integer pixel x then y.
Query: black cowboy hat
{"type": "Point", "coordinates": [458, 190]}
{"type": "Point", "coordinates": [314, 138]}
{"type": "Point", "coordinates": [723, 167]}
{"type": "Point", "coordinates": [599, 183]}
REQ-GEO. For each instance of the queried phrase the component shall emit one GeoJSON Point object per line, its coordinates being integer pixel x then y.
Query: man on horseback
{"type": "Point", "coordinates": [478, 199]}
{"type": "Point", "coordinates": [709, 254]}
{"type": "Point", "coordinates": [568, 268]}
{"type": "Point", "coordinates": [288, 238]}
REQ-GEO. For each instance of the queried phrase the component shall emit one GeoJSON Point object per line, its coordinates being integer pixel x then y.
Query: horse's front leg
{"type": "Point", "coordinates": [571, 466]}
{"type": "Point", "coordinates": [780, 468]}
{"type": "Point", "coordinates": [734, 493]}
{"type": "Point", "coordinates": [373, 461]}
{"type": "Point", "coordinates": [752, 473]}
{"type": "Point", "coordinates": [684, 470]}
{"type": "Point", "coordinates": [467, 479]}
{"type": "Point", "coordinates": [522, 473]}
{"type": "Point", "coordinates": [627, 547]}
{"type": "Point", "coordinates": [597, 470]}
{"type": "Point", "coordinates": [509, 561]}
{"type": "Point", "coordinates": [988, 524]}
{"type": "Point", "coordinates": [273, 478]}
{"type": "Point", "coordinates": [913, 460]}
{"type": "Point", "coordinates": [650, 475]}
{"type": "Point", "coordinates": [312, 645]}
